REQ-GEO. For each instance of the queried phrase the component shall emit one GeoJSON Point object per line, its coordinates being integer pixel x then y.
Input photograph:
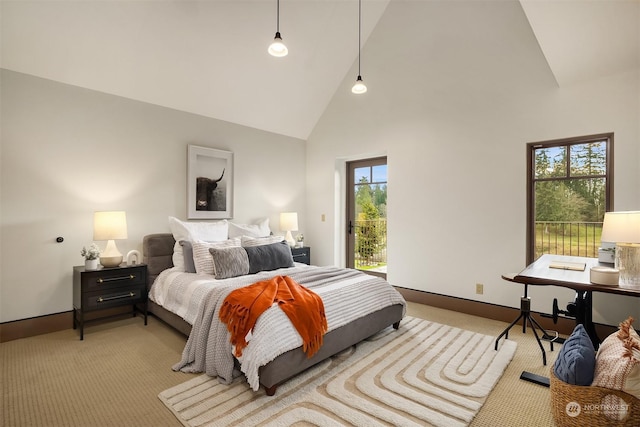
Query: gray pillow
{"type": "Point", "coordinates": [229, 262]}
{"type": "Point", "coordinates": [269, 257]}
{"type": "Point", "coordinates": [187, 252]}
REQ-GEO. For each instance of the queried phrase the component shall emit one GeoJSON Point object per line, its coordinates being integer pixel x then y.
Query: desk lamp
{"type": "Point", "coordinates": [110, 226]}
{"type": "Point", "coordinates": [623, 229]}
{"type": "Point", "coordinates": [289, 223]}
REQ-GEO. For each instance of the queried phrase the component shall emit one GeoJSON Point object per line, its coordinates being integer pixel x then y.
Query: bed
{"type": "Point", "coordinates": [158, 250]}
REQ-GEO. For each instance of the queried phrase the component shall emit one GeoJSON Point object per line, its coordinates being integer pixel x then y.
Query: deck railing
{"type": "Point", "coordinates": [572, 238]}
{"type": "Point", "coordinates": [568, 238]}
{"type": "Point", "coordinates": [371, 243]}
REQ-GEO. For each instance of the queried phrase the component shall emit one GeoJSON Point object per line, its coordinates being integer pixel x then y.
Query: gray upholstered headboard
{"type": "Point", "coordinates": [157, 253]}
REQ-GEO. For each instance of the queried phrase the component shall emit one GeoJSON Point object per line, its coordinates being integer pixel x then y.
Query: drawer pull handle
{"type": "Point", "coordinates": [105, 299]}
{"type": "Point", "coordinates": [115, 279]}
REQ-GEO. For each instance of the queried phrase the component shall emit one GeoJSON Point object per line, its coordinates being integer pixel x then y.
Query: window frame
{"type": "Point", "coordinates": [531, 180]}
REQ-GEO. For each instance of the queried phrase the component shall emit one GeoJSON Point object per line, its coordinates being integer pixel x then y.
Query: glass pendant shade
{"type": "Point", "coordinates": [359, 87]}
{"type": "Point", "coordinates": [277, 48]}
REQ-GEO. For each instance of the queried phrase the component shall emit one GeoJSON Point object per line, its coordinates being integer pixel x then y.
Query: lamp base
{"type": "Point", "coordinates": [110, 261]}
{"type": "Point", "coordinates": [111, 256]}
{"type": "Point", "coordinates": [289, 239]}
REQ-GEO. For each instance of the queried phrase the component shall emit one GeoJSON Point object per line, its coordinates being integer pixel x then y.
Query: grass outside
{"type": "Point", "coordinates": [370, 266]}
{"type": "Point", "coordinates": [568, 239]}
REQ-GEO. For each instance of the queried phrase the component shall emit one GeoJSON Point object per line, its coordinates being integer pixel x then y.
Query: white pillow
{"type": "Point", "coordinates": [202, 258]}
{"type": "Point", "coordinates": [259, 229]}
{"type": "Point", "coordinates": [259, 241]}
{"type": "Point", "coordinates": [208, 231]}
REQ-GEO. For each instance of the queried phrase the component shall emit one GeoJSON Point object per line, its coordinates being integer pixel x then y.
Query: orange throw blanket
{"type": "Point", "coordinates": [242, 307]}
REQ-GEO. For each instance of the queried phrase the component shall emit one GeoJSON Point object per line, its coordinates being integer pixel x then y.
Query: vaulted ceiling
{"type": "Point", "coordinates": [210, 57]}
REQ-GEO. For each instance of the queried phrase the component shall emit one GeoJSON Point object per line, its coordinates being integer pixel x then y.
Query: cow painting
{"type": "Point", "coordinates": [207, 198]}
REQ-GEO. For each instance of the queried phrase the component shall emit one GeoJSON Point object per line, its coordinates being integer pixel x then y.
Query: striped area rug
{"type": "Point", "coordinates": [424, 373]}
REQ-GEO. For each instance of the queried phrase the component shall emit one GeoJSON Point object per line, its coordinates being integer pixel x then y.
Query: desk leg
{"type": "Point", "coordinates": [584, 315]}
{"type": "Point", "coordinates": [525, 315]}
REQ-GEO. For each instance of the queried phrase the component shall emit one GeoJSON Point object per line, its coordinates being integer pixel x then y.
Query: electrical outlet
{"type": "Point", "coordinates": [479, 288]}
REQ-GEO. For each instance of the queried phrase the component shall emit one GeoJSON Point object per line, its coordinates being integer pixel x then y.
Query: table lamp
{"type": "Point", "coordinates": [623, 229]}
{"type": "Point", "coordinates": [289, 223]}
{"type": "Point", "coordinates": [110, 226]}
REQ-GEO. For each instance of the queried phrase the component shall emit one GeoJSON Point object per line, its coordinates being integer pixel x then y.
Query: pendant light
{"type": "Point", "coordinates": [359, 87]}
{"type": "Point", "coordinates": [277, 48]}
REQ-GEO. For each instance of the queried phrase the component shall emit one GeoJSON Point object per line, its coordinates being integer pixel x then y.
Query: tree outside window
{"type": "Point", "coordinates": [371, 212]}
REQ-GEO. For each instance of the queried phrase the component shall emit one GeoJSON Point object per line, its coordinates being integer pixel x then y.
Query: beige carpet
{"type": "Point", "coordinates": [114, 376]}
{"type": "Point", "coordinates": [424, 373]}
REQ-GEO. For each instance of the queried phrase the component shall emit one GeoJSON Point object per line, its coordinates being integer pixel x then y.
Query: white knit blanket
{"type": "Point", "coordinates": [347, 295]}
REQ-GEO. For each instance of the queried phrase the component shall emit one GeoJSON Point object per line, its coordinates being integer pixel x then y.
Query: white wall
{"type": "Point", "coordinates": [67, 152]}
{"type": "Point", "coordinates": [454, 124]}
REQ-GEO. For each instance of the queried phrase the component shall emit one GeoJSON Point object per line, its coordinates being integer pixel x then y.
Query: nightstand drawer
{"type": "Point", "coordinates": [302, 255]}
{"type": "Point", "coordinates": [113, 298]}
{"type": "Point", "coordinates": [106, 279]}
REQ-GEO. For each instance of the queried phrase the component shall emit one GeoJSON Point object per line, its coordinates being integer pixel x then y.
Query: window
{"type": "Point", "coordinates": [569, 188]}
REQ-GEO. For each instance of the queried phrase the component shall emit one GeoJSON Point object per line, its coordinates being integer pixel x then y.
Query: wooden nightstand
{"type": "Point", "coordinates": [302, 255]}
{"type": "Point", "coordinates": [107, 288]}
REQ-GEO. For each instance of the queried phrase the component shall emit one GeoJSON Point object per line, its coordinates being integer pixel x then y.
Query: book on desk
{"type": "Point", "coordinates": [566, 265]}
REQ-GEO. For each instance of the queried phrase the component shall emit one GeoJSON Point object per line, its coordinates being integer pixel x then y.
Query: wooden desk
{"type": "Point", "coordinates": [539, 273]}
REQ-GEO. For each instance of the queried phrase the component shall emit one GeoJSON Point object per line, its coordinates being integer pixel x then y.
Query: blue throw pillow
{"type": "Point", "coordinates": [576, 362]}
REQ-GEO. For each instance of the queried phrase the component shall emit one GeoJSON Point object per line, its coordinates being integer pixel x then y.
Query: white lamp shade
{"type": "Point", "coordinates": [621, 227]}
{"type": "Point", "coordinates": [111, 225]}
{"type": "Point", "coordinates": [289, 221]}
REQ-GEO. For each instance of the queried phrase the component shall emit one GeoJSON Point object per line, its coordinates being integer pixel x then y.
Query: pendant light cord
{"type": "Point", "coordinates": [359, 32]}
{"type": "Point", "coordinates": [278, 16]}
{"type": "Point", "coordinates": [359, 87]}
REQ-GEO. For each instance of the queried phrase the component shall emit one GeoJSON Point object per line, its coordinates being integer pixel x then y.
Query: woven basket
{"type": "Point", "coordinates": [592, 406]}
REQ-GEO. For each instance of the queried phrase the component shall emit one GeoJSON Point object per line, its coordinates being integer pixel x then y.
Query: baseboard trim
{"type": "Point", "coordinates": [496, 312]}
{"type": "Point", "coordinates": [48, 323]}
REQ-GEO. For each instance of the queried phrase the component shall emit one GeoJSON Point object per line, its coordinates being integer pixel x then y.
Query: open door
{"type": "Point", "coordinates": [367, 215]}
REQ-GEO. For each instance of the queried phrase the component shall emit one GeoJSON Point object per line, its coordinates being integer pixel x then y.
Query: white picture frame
{"type": "Point", "coordinates": [209, 183]}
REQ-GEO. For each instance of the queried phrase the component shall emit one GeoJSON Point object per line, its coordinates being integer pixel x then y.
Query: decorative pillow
{"type": "Point", "coordinates": [207, 231]}
{"type": "Point", "coordinates": [618, 361]}
{"type": "Point", "coordinates": [229, 262]}
{"type": "Point", "coordinates": [269, 257]}
{"type": "Point", "coordinates": [576, 361]}
{"type": "Point", "coordinates": [202, 259]}
{"type": "Point", "coordinates": [187, 252]}
{"type": "Point", "coordinates": [259, 229]}
{"type": "Point", "coordinates": [259, 241]}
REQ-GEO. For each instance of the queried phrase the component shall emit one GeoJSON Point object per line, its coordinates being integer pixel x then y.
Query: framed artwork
{"type": "Point", "coordinates": [209, 183]}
